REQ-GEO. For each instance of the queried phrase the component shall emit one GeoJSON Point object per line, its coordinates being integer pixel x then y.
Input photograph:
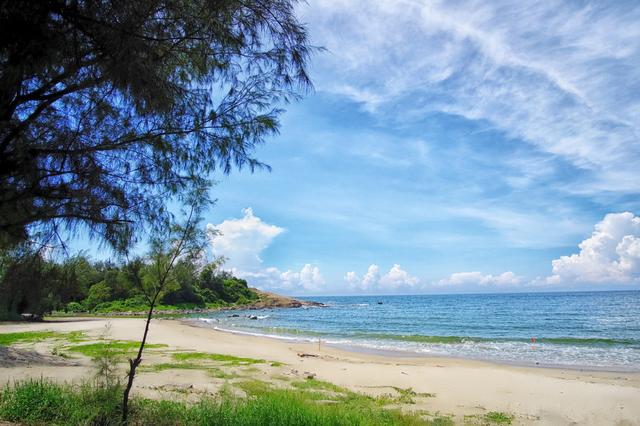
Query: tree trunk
{"type": "Point", "coordinates": [134, 363]}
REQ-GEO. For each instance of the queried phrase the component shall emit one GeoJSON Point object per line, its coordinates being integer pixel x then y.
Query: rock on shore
{"type": "Point", "coordinates": [272, 300]}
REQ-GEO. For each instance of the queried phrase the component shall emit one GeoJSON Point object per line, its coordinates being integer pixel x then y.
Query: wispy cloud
{"type": "Point", "coordinates": [562, 76]}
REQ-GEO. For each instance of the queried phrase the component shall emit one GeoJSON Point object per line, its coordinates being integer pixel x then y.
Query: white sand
{"type": "Point", "coordinates": [534, 395]}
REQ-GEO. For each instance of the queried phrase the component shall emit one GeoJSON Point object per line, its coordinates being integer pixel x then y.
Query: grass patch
{"type": "Point", "coordinates": [212, 371]}
{"type": "Point", "coordinates": [228, 360]}
{"type": "Point", "coordinates": [254, 387]}
{"type": "Point", "coordinates": [313, 384]}
{"type": "Point", "coordinates": [406, 396]}
{"type": "Point", "coordinates": [8, 339]}
{"type": "Point", "coordinates": [42, 402]}
{"type": "Point", "coordinates": [442, 421]}
{"type": "Point", "coordinates": [75, 337]}
{"type": "Point", "coordinates": [345, 396]}
{"type": "Point", "coordinates": [173, 366]}
{"type": "Point", "coordinates": [280, 377]}
{"type": "Point", "coordinates": [498, 417]}
{"type": "Point", "coordinates": [221, 374]}
{"type": "Point", "coordinates": [115, 347]}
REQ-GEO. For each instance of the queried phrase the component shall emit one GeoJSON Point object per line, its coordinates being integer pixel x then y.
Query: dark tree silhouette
{"type": "Point", "coordinates": [110, 108]}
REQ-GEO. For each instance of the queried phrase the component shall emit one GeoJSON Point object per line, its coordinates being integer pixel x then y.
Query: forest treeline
{"type": "Point", "coordinates": [29, 283]}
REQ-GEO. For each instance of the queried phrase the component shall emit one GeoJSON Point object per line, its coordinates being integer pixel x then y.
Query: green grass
{"type": "Point", "coordinates": [221, 374]}
{"type": "Point", "coordinates": [407, 395]}
{"type": "Point", "coordinates": [41, 402]}
{"type": "Point", "coordinates": [313, 384]}
{"type": "Point", "coordinates": [115, 347]}
{"type": "Point", "coordinates": [254, 387]}
{"type": "Point", "coordinates": [442, 421]}
{"type": "Point", "coordinates": [173, 366]}
{"type": "Point", "coordinates": [7, 339]}
{"type": "Point", "coordinates": [343, 395]}
{"type": "Point", "coordinates": [499, 417]}
{"type": "Point", "coordinates": [228, 360]}
{"type": "Point", "coordinates": [213, 371]}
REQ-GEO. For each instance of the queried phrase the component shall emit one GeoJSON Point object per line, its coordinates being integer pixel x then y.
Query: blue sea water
{"type": "Point", "coordinates": [599, 330]}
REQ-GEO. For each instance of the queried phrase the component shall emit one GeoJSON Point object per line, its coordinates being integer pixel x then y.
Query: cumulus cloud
{"type": "Point", "coordinates": [395, 279]}
{"type": "Point", "coordinates": [309, 278]}
{"type": "Point", "coordinates": [472, 279]}
{"type": "Point", "coordinates": [242, 242]}
{"type": "Point", "coordinates": [610, 255]}
{"type": "Point", "coordinates": [559, 75]}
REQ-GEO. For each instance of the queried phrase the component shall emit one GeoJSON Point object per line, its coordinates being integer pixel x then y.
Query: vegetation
{"type": "Point", "coordinates": [7, 339]}
{"type": "Point", "coordinates": [37, 402]}
{"type": "Point", "coordinates": [179, 241]}
{"type": "Point", "coordinates": [228, 360]}
{"type": "Point", "coordinates": [116, 347]}
{"type": "Point", "coordinates": [29, 283]}
{"type": "Point", "coordinates": [311, 401]}
{"type": "Point", "coordinates": [109, 109]}
{"type": "Point", "coordinates": [499, 417]}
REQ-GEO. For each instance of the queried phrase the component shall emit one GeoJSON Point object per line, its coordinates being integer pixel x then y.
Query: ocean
{"type": "Point", "coordinates": [595, 330]}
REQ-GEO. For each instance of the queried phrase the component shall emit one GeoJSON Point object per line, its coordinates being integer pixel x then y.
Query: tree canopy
{"type": "Point", "coordinates": [109, 108]}
{"type": "Point", "coordinates": [31, 284]}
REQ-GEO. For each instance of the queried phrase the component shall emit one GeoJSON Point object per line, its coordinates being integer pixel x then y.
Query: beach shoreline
{"type": "Point", "coordinates": [399, 353]}
{"type": "Point", "coordinates": [460, 387]}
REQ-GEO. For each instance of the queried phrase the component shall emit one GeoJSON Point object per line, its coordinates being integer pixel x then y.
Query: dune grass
{"type": "Point", "coordinates": [41, 402]}
{"type": "Point", "coordinates": [330, 391]}
{"type": "Point", "coordinates": [498, 417]}
{"type": "Point", "coordinates": [218, 373]}
{"type": "Point", "coordinates": [37, 402]}
{"type": "Point", "coordinates": [116, 348]}
{"type": "Point", "coordinates": [8, 339]}
{"type": "Point", "coordinates": [228, 360]}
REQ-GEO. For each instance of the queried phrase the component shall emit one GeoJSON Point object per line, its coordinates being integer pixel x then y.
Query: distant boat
{"type": "Point", "coordinates": [379, 303]}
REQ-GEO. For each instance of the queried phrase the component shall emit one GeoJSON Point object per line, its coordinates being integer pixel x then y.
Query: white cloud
{"type": "Point", "coordinates": [528, 228]}
{"type": "Point", "coordinates": [396, 279]}
{"type": "Point", "coordinates": [472, 279]}
{"type": "Point", "coordinates": [611, 255]}
{"type": "Point", "coordinates": [242, 242]}
{"type": "Point", "coordinates": [309, 278]}
{"type": "Point", "coordinates": [559, 75]}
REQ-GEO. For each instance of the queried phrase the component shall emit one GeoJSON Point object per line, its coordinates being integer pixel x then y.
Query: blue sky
{"type": "Point", "coordinates": [453, 146]}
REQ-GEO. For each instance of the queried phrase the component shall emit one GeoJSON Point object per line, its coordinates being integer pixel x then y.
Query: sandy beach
{"type": "Point", "coordinates": [457, 387]}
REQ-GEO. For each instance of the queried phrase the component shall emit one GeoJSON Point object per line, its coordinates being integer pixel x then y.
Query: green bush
{"type": "Point", "coordinates": [98, 293]}
{"type": "Point", "coordinates": [42, 402]}
{"type": "Point", "coordinates": [75, 307]}
{"type": "Point", "coordinates": [39, 401]}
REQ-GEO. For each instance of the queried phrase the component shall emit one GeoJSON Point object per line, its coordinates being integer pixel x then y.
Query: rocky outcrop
{"type": "Point", "coordinates": [272, 300]}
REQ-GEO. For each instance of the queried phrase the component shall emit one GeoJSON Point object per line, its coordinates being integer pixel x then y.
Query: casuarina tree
{"type": "Point", "coordinates": [110, 108]}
